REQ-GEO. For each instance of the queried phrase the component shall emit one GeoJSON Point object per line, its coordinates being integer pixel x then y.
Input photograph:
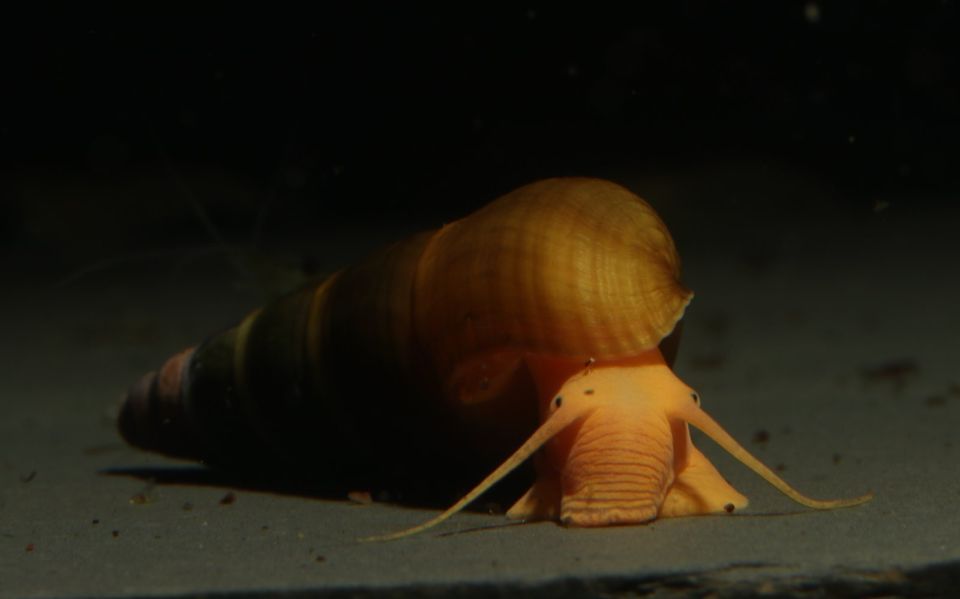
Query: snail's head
{"type": "Point", "coordinates": [627, 458]}
{"type": "Point", "coordinates": [617, 449]}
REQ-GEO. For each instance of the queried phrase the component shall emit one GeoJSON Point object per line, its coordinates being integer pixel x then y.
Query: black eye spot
{"type": "Point", "coordinates": [588, 391]}
{"type": "Point", "coordinates": [728, 508]}
{"type": "Point", "coordinates": [696, 397]}
{"type": "Point", "coordinates": [557, 401]}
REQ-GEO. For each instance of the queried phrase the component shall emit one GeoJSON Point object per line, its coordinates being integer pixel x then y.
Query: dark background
{"type": "Point", "coordinates": [168, 125]}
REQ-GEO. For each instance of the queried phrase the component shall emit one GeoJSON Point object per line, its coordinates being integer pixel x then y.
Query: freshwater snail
{"type": "Point", "coordinates": [539, 321]}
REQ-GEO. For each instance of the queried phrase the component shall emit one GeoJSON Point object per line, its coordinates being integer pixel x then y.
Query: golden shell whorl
{"type": "Point", "coordinates": [572, 267]}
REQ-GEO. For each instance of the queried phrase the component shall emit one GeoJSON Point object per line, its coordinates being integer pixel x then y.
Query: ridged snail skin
{"type": "Point", "coordinates": [449, 349]}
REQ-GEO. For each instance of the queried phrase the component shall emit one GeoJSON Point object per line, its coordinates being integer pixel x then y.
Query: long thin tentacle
{"type": "Point", "coordinates": [709, 426]}
{"type": "Point", "coordinates": [558, 421]}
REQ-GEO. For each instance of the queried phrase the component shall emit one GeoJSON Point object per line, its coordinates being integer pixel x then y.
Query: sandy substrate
{"type": "Point", "coordinates": [825, 340]}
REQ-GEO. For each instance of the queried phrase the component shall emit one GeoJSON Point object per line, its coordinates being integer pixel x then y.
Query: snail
{"type": "Point", "coordinates": [542, 325]}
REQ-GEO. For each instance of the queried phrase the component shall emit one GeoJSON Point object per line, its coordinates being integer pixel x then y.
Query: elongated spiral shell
{"type": "Point", "coordinates": [418, 350]}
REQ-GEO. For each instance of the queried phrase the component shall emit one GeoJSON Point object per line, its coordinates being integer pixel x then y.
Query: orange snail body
{"type": "Point", "coordinates": [537, 320]}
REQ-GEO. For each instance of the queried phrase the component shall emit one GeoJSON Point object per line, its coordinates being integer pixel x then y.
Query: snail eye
{"type": "Point", "coordinates": [557, 401]}
{"type": "Point", "coordinates": [696, 397]}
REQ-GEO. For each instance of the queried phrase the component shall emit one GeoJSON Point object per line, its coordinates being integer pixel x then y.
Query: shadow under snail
{"type": "Point", "coordinates": [539, 325]}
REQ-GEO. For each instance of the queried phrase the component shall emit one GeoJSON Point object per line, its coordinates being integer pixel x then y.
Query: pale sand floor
{"type": "Point", "coordinates": [800, 307]}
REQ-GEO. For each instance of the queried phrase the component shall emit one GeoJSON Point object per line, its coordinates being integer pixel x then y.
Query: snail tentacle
{"type": "Point", "coordinates": [558, 421]}
{"type": "Point", "coordinates": [700, 419]}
